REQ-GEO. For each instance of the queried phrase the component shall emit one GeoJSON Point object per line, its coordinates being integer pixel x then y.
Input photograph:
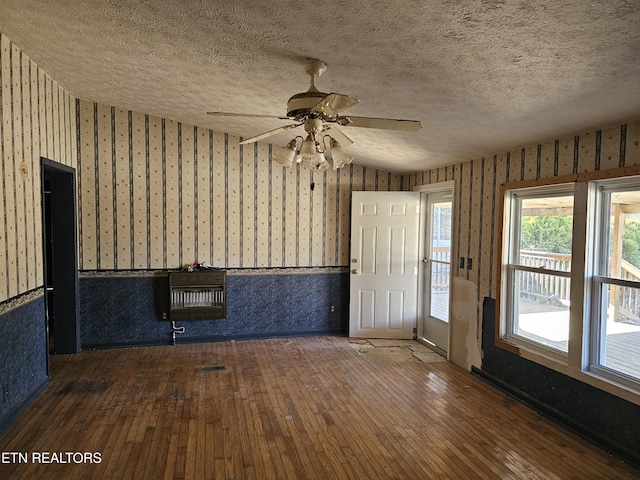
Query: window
{"type": "Point", "coordinates": [615, 346]}
{"type": "Point", "coordinates": [583, 233]}
{"type": "Point", "coordinates": [538, 266]}
{"type": "Point", "coordinates": [439, 255]}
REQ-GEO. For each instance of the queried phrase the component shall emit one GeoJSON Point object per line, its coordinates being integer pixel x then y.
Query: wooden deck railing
{"type": "Point", "coordinates": [440, 271]}
{"type": "Point", "coordinates": [539, 285]}
{"type": "Point", "coordinates": [629, 298]}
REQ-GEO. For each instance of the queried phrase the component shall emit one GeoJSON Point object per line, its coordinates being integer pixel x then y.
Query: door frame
{"type": "Point", "coordinates": [449, 187]}
{"type": "Point", "coordinates": [64, 255]}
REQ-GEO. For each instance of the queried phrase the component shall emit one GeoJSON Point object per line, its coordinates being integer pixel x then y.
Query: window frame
{"type": "Point", "coordinates": [578, 363]}
{"type": "Point", "coordinates": [512, 265]}
{"type": "Point", "coordinates": [601, 277]}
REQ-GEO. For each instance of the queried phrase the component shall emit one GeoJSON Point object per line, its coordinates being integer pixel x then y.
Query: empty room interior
{"type": "Point", "coordinates": [320, 240]}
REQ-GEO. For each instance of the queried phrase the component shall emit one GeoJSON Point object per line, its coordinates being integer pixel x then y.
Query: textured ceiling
{"type": "Point", "coordinates": [483, 76]}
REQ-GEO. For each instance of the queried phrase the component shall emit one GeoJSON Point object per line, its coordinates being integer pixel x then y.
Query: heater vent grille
{"type": "Point", "coordinates": [197, 295]}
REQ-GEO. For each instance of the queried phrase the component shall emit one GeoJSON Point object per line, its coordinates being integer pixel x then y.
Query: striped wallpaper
{"type": "Point", "coordinates": [155, 193]}
{"type": "Point", "coordinates": [37, 119]}
{"type": "Point", "coordinates": [477, 186]}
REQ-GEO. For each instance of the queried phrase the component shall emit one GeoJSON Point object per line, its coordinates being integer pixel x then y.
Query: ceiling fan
{"type": "Point", "coordinates": [320, 113]}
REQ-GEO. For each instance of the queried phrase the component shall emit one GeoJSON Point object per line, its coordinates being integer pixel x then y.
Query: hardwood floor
{"type": "Point", "coordinates": [299, 408]}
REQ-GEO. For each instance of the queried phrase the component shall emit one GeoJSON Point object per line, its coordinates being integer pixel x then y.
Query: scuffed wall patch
{"type": "Point", "coordinates": [465, 341]}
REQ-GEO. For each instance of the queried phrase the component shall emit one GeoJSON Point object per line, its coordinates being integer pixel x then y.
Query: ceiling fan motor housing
{"type": "Point", "coordinates": [300, 104]}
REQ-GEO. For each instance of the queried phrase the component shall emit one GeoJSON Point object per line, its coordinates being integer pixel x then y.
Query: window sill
{"type": "Point", "coordinates": [619, 390]}
{"type": "Point", "coordinates": [524, 345]}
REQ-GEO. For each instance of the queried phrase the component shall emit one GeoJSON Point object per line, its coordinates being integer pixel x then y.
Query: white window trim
{"type": "Point", "coordinates": [512, 239]}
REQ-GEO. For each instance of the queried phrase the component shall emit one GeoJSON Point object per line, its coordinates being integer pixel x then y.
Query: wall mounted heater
{"type": "Point", "coordinates": [198, 295]}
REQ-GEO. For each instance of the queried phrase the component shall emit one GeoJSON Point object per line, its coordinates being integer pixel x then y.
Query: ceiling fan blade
{"type": "Point", "coordinates": [251, 115]}
{"type": "Point", "coordinates": [275, 131]}
{"type": "Point", "coordinates": [383, 123]}
{"type": "Point", "coordinates": [334, 103]}
{"type": "Point", "coordinates": [337, 135]}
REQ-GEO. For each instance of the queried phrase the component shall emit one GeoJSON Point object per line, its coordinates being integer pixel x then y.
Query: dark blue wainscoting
{"type": "Point", "coordinates": [117, 310]}
{"type": "Point", "coordinates": [23, 354]}
{"type": "Point", "coordinates": [126, 308]}
{"type": "Point", "coordinates": [607, 420]}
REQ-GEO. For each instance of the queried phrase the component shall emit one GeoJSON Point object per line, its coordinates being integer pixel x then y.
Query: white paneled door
{"type": "Point", "coordinates": [384, 264]}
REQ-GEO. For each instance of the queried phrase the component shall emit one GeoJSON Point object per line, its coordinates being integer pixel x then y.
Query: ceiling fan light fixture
{"type": "Point", "coordinates": [338, 154]}
{"type": "Point", "coordinates": [308, 149]}
{"type": "Point", "coordinates": [312, 154]}
{"type": "Point", "coordinates": [285, 156]}
{"type": "Point", "coordinates": [320, 162]}
{"type": "Point", "coordinates": [317, 161]}
{"type": "Point", "coordinates": [342, 162]}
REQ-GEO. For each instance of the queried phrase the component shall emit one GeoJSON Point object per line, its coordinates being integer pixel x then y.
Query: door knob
{"type": "Point", "coordinates": [354, 271]}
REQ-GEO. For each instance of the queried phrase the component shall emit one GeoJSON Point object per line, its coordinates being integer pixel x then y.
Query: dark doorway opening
{"type": "Point", "coordinates": [60, 241]}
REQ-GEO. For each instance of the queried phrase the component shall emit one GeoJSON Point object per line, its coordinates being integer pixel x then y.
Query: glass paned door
{"type": "Point", "coordinates": [437, 264]}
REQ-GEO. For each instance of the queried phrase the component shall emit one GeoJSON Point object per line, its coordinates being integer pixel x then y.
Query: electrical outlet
{"type": "Point", "coordinates": [469, 263]}
{"type": "Point", "coordinates": [461, 262]}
